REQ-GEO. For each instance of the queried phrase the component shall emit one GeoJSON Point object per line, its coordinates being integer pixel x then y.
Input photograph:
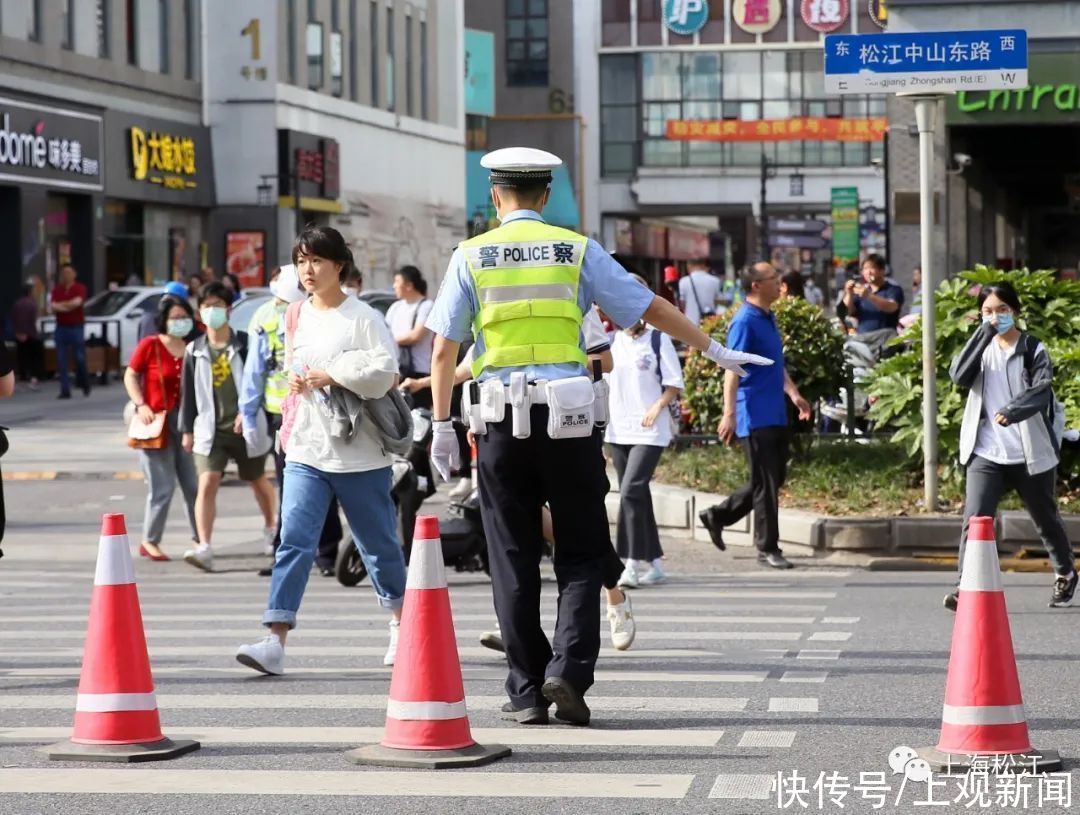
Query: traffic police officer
{"type": "Point", "coordinates": [522, 289]}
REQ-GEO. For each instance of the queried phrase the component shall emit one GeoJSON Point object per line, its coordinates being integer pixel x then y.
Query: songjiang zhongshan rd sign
{"type": "Point", "coordinates": [928, 61]}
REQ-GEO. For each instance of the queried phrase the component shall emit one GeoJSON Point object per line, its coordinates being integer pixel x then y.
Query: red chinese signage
{"type": "Point", "coordinates": [806, 128]}
{"type": "Point", "coordinates": [309, 165]}
{"type": "Point", "coordinates": [825, 15]}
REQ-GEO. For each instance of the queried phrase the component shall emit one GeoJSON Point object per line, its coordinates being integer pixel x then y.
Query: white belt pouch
{"type": "Point", "coordinates": [571, 408]}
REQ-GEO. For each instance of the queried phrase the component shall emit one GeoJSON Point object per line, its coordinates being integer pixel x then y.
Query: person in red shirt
{"type": "Point", "coordinates": [152, 381]}
{"type": "Point", "coordinates": [68, 298]}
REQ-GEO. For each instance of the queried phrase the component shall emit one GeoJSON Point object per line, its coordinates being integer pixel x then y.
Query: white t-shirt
{"type": "Point", "coordinates": [1001, 445]}
{"type": "Point", "coordinates": [635, 387]}
{"type": "Point", "coordinates": [354, 346]}
{"type": "Point", "coordinates": [706, 286]}
{"type": "Point", "coordinates": [402, 317]}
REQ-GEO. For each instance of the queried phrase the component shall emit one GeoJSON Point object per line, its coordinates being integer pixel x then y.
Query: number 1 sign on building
{"type": "Point", "coordinates": [926, 62]}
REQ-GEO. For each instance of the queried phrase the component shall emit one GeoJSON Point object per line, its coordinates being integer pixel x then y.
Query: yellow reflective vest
{"type": "Point", "coordinates": [526, 275]}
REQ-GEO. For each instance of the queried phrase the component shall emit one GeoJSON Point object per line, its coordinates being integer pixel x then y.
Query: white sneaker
{"type": "Point", "coordinates": [268, 540]}
{"type": "Point", "coordinates": [200, 557]}
{"type": "Point", "coordinates": [461, 490]}
{"type": "Point", "coordinates": [623, 627]}
{"type": "Point", "coordinates": [652, 577]}
{"type": "Point", "coordinates": [628, 579]}
{"type": "Point", "coordinates": [391, 649]}
{"type": "Point", "coordinates": [266, 656]}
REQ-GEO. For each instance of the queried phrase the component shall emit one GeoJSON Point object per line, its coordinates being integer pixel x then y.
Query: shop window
{"type": "Point", "coordinates": [661, 76]}
{"type": "Point", "coordinates": [290, 38]}
{"type": "Point", "coordinates": [314, 56]}
{"type": "Point", "coordinates": [373, 29]}
{"type": "Point", "coordinates": [192, 29]}
{"type": "Point", "coordinates": [742, 75]}
{"type": "Point", "coordinates": [131, 31]}
{"type": "Point", "coordinates": [526, 43]}
{"type": "Point", "coordinates": [423, 70]}
{"type": "Point", "coordinates": [391, 100]}
{"type": "Point", "coordinates": [103, 22]}
{"type": "Point", "coordinates": [337, 56]}
{"type": "Point", "coordinates": [618, 79]}
{"type": "Point", "coordinates": [21, 19]}
{"type": "Point", "coordinates": [618, 159]}
{"type": "Point", "coordinates": [148, 34]}
{"type": "Point", "coordinates": [702, 76]}
{"type": "Point", "coordinates": [615, 11]}
{"type": "Point", "coordinates": [354, 49]}
{"type": "Point", "coordinates": [409, 96]}
{"type": "Point", "coordinates": [67, 25]}
{"type": "Point", "coordinates": [774, 75]}
{"type": "Point", "coordinates": [163, 36]}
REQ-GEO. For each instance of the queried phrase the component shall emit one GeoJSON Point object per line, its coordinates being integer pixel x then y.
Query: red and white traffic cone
{"type": "Point", "coordinates": [116, 713]}
{"type": "Point", "coordinates": [983, 714]}
{"type": "Point", "coordinates": [427, 725]}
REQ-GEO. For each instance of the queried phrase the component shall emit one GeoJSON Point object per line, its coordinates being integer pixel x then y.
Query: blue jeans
{"type": "Point", "coordinates": [71, 340]}
{"type": "Point", "coordinates": [369, 509]}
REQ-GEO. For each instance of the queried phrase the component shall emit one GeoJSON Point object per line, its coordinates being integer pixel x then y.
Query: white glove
{"type": "Point", "coordinates": [445, 453]}
{"type": "Point", "coordinates": [733, 360]}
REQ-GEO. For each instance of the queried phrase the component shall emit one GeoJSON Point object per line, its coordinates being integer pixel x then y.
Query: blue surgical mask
{"type": "Point", "coordinates": [214, 316]}
{"type": "Point", "coordinates": [1004, 322]}
{"type": "Point", "coordinates": [180, 327]}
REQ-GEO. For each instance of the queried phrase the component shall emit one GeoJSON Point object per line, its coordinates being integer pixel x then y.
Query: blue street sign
{"type": "Point", "coordinates": [686, 17]}
{"type": "Point", "coordinates": [798, 241]}
{"type": "Point", "coordinates": [929, 61]}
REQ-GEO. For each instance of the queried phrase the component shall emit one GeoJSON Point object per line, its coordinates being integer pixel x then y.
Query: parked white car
{"type": "Point", "coordinates": [113, 315]}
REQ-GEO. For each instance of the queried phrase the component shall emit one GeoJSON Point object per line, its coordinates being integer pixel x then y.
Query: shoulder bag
{"type": "Point", "coordinates": [143, 436]}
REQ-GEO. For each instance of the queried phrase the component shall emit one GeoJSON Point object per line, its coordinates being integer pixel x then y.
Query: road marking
{"type": "Point", "coordinates": [742, 786]}
{"type": "Point", "coordinates": [276, 700]}
{"type": "Point", "coordinates": [767, 738]}
{"type": "Point", "coordinates": [804, 676]}
{"type": "Point", "coordinates": [840, 620]}
{"type": "Point", "coordinates": [375, 617]}
{"type": "Point", "coordinates": [793, 704]}
{"type": "Point", "coordinates": [830, 636]}
{"type": "Point", "coordinates": [809, 653]}
{"type": "Point", "coordinates": [444, 784]}
{"type": "Point", "coordinates": [158, 651]}
{"type": "Point", "coordinates": [521, 736]}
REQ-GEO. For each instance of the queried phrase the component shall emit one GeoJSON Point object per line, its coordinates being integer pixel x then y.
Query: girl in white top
{"type": "Point", "coordinates": [339, 342]}
{"type": "Point", "coordinates": [407, 318]}
{"type": "Point", "coordinates": [646, 379]}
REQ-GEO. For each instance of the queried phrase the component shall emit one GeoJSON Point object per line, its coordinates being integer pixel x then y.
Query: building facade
{"type": "Point", "coordinates": [1007, 172]}
{"type": "Point", "coordinates": [735, 64]}
{"type": "Point", "coordinates": [342, 112]}
{"type": "Point", "coordinates": [104, 159]}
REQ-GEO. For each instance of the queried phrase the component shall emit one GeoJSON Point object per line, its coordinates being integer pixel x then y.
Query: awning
{"type": "Point", "coordinates": [562, 209]}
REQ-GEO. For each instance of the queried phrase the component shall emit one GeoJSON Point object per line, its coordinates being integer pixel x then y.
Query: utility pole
{"type": "Point", "coordinates": [764, 227]}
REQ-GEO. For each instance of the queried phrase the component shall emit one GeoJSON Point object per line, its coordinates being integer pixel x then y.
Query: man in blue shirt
{"type": "Point", "coordinates": [875, 302]}
{"type": "Point", "coordinates": [755, 411]}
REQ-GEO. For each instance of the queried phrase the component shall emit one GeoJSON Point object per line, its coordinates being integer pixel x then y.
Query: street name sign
{"type": "Point", "coordinates": [926, 61]}
{"type": "Point", "coordinates": [797, 225]}
{"type": "Point", "coordinates": [798, 241]}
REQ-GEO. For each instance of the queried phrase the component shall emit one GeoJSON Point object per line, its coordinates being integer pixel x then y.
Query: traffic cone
{"type": "Point", "coordinates": [116, 715]}
{"type": "Point", "coordinates": [983, 716]}
{"type": "Point", "coordinates": [427, 725]}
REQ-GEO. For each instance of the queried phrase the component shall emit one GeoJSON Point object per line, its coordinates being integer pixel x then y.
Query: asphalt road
{"type": "Point", "coordinates": [737, 674]}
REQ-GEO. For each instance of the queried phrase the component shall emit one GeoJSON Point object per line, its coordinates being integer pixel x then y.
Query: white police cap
{"type": "Point", "coordinates": [513, 166]}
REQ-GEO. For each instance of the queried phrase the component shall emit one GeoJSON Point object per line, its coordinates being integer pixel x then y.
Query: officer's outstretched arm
{"type": "Point", "coordinates": [673, 322]}
{"type": "Point", "coordinates": [443, 362]}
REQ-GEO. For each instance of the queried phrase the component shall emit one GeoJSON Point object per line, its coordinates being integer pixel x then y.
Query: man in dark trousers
{"type": "Point", "coordinates": [68, 297]}
{"type": "Point", "coordinates": [755, 411]}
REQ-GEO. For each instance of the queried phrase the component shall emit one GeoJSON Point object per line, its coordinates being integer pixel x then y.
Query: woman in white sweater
{"type": "Point", "coordinates": [338, 342]}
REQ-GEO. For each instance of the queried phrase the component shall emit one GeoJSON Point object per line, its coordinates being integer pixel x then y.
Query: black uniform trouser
{"type": "Point", "coordinates": [332, 533]}
{"type": "Point", "coordinates": [517, 477]}
{"type": "Point", "coordinates": [767, 455]}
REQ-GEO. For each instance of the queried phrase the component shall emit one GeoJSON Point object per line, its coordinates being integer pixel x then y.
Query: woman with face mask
{"type": "Point", "coordinates": [1009, 438]}
{"type": "Point", "coordinates": [152, 381]}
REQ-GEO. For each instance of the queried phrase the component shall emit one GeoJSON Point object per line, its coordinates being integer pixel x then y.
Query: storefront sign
{"type": "Point", "coordinates": [825, 15]}
{"type": "Point", "coordinates": [1052, 96]}
{"type": "Point", "coordinates": [799, 129]}
{"type": "Point", "coordinates": [245, 257]}
{"type": "Point", "coordinates": [684, 244]}
{"type": "Point", "coordinates": [845, 224]}
{"type": "Point", "coordinates": [45, 145]}
{"type": "Point", "coordinates": [158, 160]}
{"type": "Point", "coordinates": [309, 162]}
{"type": "Point", "coordinates": [686, 17]}
{"type": "Point", "coordinates": [756, 16]}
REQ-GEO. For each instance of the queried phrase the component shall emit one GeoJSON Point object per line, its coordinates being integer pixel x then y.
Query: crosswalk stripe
{"type": "Point", "coordinates": [155, 594]}
{"type": "Point", "coordinates": [513, 736]}
{"type": "Point", "coordinates": [444, 784]}
{"type": "Point", "coordinates": [840, 620]}
{"type": "Point", "coordinates": [304, 634]}
{"type": "Point", "coordinates": [767, 738]}
{"type": "Point", "coordinates": [279, 701]}
{"type": "Point", "coordinates": [743, 786]}
{"type": "Point", "coordinates": [830, 636]}
{"type": "Point", "coordinates": [804, 676]}
{"type": "Point", "coordinates": [379, 616]}
{"type": "Point", "coordinates": [810, 653]}
{"type": "Point", "coordinates": [793, 704]}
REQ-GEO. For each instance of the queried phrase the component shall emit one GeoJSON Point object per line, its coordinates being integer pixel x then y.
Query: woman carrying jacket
{"type": "Point", "coordinates": [339, 342]}
{"type": "Point", "coordinates": [1008, 439]}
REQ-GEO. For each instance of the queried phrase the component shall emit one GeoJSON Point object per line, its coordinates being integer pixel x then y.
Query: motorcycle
{"type": "Point", "coordinates": [462, 533]}
{"type": "Point", "coordinates": [862, 353]}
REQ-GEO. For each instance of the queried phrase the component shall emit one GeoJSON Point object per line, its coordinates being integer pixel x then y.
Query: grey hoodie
{"type": "Point", "coordinates": [1032, 407]}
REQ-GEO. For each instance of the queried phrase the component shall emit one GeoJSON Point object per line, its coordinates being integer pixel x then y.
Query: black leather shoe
{"type": "Point", "coordinates": [774, 559]}
{"type": "Point", "coordinates": [950, 601]}
{"type": "Point", "coordinates": [326, 572]}
{"type": "Point", "coordinates": [569, 704]}
{"type": "Point", "coordinates": [526, 715]}
{"type": "Point", "coordinates": [269, 570]}
{"type": "Point", "coordinates": [711, 521]}
{"type": "Point", "coordinates": [493, 640]}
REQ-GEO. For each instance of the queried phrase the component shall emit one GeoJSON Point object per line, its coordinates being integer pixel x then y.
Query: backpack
{"type": "Point", "coordinates": [1056, 411]}
{"type": "Point", "coordinates": [675, 408]}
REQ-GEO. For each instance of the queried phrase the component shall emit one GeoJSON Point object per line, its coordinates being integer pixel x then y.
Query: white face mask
{"type": "Point", "coordinates": [213, 316]}
{"type": "Point", "coordinates": [350, 291]}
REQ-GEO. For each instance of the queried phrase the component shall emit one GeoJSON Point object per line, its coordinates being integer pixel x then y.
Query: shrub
{"type": "Point", "coordinates": [813, 354]}
{"type": "Point", "coordinates": [1050, 314]}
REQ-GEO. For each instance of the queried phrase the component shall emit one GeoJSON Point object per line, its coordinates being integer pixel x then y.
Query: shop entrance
{"type": "Point", "coordinates": [1021, 194]}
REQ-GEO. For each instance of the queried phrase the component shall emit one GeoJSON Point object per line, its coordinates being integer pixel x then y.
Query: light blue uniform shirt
{"type": "Point", "coordinates": [253, 385]}
{"type": "Point", "coordinates": [602, 281]}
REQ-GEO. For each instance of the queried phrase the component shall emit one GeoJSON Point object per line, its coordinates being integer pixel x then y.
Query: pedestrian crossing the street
{"type": "Point", "coordinates": [728, 672]}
